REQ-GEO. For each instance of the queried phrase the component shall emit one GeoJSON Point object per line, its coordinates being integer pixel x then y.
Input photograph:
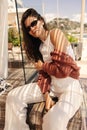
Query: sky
{"type": "Point", "coordinates": [57, 8]}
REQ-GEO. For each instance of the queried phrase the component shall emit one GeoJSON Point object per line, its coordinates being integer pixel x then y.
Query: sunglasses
{"type": "Point", "coordinates": [34, 23]}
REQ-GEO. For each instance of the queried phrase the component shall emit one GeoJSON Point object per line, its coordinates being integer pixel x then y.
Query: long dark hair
{"type": "Point", "coordinates": [31, 43]}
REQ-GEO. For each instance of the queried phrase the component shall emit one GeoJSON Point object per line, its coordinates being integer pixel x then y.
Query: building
{"type": "Point", "coordinates": [12, 16]}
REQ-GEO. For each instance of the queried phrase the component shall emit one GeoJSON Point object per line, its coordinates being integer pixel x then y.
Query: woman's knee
{"type": "Point", "coordinates": [61, 119]}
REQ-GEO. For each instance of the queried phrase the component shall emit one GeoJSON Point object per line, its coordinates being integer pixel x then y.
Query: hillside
{"type": "Point", "coordinates": [66, 25]}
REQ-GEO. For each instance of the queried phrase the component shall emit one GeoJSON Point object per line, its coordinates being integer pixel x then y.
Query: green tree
{"type": "Point", "coordinates": [71, 38]}
{"type": "Point", "coordinates": [13, 36]}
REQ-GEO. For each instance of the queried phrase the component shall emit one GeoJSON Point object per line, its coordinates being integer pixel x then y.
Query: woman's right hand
{"type": "Point", "coordinates": [38, 65]}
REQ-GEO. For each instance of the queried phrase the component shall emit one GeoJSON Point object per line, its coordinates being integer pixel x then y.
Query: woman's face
{"type": "Point", "coordinates": [34, 26]}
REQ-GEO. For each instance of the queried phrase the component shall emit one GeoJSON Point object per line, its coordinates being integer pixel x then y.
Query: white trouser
{"type": "Point", "coordinates": [70, 97]}
{"type": "Point", "coordinates": [16, 104]}
{"type": "Point", "coordinates": [57, 117]}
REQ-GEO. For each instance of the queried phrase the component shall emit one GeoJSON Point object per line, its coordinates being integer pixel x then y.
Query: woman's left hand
{"type": "Point", "coordinates": [49, 101]}
{"type": "Point", "coordinates": [38, 65]}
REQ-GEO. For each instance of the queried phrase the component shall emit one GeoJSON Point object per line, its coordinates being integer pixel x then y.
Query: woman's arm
{"type": "Point", "coordinates": [61, 43]}
{"type": "Point", "coordinates": [59, 40]}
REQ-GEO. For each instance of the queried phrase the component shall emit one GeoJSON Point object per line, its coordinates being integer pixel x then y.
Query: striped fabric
{"type": "Point", "coordinates": [75, 122]}
{"type": "Point", "coordinates": [62, 65]}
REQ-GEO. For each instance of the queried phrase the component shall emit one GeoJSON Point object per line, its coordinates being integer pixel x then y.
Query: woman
{"type": "Point", "coordinates": [58, 77]}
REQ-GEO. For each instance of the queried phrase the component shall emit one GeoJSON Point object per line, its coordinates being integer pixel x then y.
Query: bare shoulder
{"type": "Point", "coordinates": [58, 39]}
{"type": "Point", "coordinates": [54, 35]}
{"type": "Point", "coordinates": [54, 32]}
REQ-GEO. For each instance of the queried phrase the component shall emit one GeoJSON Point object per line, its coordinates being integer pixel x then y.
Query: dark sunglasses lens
{"type": "Point", "coordinates": [34, 23]}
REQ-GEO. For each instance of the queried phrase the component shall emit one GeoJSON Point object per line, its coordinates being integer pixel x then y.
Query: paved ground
{"type": "Point", "coordinates": [83, 79]}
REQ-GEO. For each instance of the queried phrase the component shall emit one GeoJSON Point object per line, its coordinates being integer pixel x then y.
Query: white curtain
{"type": "Point", "coordinates": [3, 38]}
